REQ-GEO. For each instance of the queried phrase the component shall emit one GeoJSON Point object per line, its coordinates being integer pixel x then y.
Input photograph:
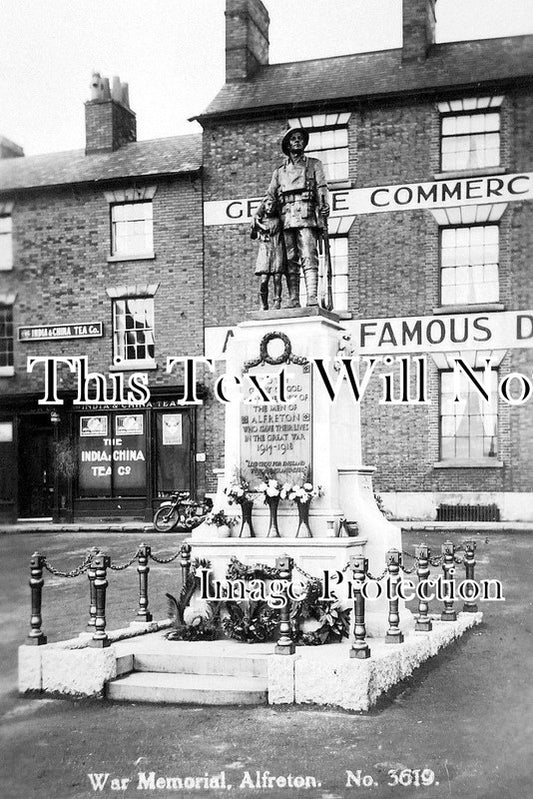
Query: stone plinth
{"type": "Point", "coordinates": [313, 555]}
{"type": "Point", "coordinates": [315, 431]}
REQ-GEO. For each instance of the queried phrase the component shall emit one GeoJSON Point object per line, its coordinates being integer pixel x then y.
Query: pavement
{"type": "Point", "coordinates": [132, 526]}
{"type": "Point", "coordinates": [464, 720]}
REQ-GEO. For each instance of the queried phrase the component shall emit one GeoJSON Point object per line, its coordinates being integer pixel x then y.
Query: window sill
{"type": "Point", "coordinates": [6, 267]}
{"type": "Point", "coordinates": [335, 185]}
{"type": "Point", "coordinates": [133, 366]}
{"type": "Point", "coordinates": [7, 371]}
{"type": "Point", "coordinates": [469, 308]}
{"type": "Point", "coordinates": [143, 256]}
{"type": "Point", "coordinates": [482, 463]}
{"type": "Point", "coordinates": [467, 173]}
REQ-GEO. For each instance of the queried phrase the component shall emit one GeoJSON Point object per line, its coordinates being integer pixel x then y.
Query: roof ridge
{"type": "Point", "coordinates": [389, 50]}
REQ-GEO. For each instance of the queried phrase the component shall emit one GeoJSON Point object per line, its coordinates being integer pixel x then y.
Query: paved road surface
{"type": "Point", "coordinates": [467, 715]}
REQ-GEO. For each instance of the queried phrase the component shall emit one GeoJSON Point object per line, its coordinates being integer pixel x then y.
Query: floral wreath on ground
{"type": "Point", "coordinates": [313, 621]}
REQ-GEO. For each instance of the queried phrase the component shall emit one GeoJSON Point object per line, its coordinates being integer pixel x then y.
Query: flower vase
{"type": "Point", "coordinates": [303, 530]}
{"type": "Point", "coordinates": [246, 531]}
{"type": "Point", "coordinates": [273, 502]}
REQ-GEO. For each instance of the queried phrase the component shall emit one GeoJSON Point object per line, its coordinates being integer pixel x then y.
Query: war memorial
{"type": "Point", "coordinates": [289, 578]}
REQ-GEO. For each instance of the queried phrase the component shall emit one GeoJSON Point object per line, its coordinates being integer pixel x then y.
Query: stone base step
{"type": "Point", "coordinates": [228, 665]}
{"type": "Point", "coordinates": [201, 689]}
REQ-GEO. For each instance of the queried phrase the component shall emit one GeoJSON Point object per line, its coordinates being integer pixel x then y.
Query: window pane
{"type": "Point", "coordinates": [469, 264]}
{"type": "Point", "coordinates": [133, 329]}
{"type": "Point", "coordinates": [132, 228]}
{"type": "Point", "coordinates": [468, 428]}
{"type": "Point", "coordinates": [6, 336]}
{"type": "Point", "coordinates": [470, 141]}
{"type": "Point", "coordinates": [331, 147]}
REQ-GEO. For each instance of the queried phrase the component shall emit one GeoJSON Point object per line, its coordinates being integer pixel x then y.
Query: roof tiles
{"type": "Point", "coordinates": [174, 155]}
{"type": "Point", "coordinates": [376, 74]}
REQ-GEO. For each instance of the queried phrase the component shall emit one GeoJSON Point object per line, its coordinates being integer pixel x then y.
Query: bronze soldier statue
{"type": "Point", "coordinates": [299, 186]}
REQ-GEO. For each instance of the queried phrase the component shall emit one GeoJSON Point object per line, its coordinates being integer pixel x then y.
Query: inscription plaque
{"type": "Point", "coordinates": [276, 438]}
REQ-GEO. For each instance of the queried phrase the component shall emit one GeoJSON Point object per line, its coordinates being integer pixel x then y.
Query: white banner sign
{"type": "Point", "coordinates": [446, 333]}
{"type": "Point", "coordinates": [417, 334]}
{"type": "Point", "coordinates": [403, 197]}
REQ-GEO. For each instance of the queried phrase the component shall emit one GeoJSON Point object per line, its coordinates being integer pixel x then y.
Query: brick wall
{"type": "Point", "coordinates": [394, 271]}
{"type": "Point", "coordinates": [61, 273]}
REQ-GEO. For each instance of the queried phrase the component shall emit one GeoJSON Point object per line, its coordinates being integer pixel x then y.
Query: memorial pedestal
{"type": "Point", "coordinates": [293, 430]}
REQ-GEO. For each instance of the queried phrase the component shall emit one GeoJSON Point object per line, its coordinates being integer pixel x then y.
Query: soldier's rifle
{"type": "Point", "coordinates": [326, 294]}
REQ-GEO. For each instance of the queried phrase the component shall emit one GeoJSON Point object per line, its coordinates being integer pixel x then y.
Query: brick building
{"type": "Point", "coordinates": [96, 246]}
{"type": "Point", "coordinates": [130, 252]}
{"type": "Point", "coordinates": [428, 149]}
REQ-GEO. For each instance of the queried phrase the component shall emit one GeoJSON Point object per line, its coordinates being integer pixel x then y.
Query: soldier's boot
{"type": "Point", "coordinates": [293, 284]}
{"type": "Point", "coordinates": [277, 291]}
{"type": "Point", "coordinates": [263, 298]}
{"type": "Point", "coordinates": [311, 285]}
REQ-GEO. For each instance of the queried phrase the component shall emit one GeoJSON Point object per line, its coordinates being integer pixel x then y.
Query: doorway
{"type": "Point", "coordinates": [35, 464]}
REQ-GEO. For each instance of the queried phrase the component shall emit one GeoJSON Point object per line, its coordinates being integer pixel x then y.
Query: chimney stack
{"type": "Point", "coordinates": [8, 149]}
{"type": "Point", "coordinates": [247, 23]}
{"type": "Point", "coordinates": [418, 18]}
{"type": "Point", "coordinates": [109, 120]}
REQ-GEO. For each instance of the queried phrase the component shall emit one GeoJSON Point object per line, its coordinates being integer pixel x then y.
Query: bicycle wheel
{"type": "Point", "coordinates": [165, 518]}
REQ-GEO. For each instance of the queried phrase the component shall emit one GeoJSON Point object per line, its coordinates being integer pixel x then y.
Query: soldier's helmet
{"type": "Point", "coordinates": [287, 136]}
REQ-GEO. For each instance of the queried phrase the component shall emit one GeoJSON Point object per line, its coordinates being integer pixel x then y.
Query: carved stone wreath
{"type": "Point", "coordinates": [285, 357]}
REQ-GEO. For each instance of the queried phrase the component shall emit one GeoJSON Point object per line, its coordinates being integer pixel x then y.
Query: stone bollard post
{"type": "Point", "coordinates": [448, 568]}
{"type": "Point", "coordinates": [285, 644]}
{"type": "Point", "coordinates": [470, 564]}
{"type": "Point", "coordinates": [422, 555]}
{"type": "Point", "coordinates": [100, 564]}
{"type": "Point", "coordinates": [394, 634]}
{"type": "Point", "coordinates": [91, 574]}
{"type": "Point", "coordinates": [36, 636]}
{"type": "Point", "coordinates": [359, 648]}
{"type": "Point", "coordinates": [143, 554]}
{"type": "Point", "coordinates": [185, 562]}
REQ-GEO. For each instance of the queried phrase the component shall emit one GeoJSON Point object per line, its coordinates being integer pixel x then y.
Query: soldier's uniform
{"type": "Point", "coordinates": [299, 188]}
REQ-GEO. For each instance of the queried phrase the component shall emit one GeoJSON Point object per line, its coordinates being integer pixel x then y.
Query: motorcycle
{"type": "Point", "coordinates": [180, 513]}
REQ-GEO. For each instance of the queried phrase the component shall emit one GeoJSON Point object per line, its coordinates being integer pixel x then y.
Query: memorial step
{"type": "Point", "coordinates": [200, 663]}
{"type": "Point", "coordinates": [202, 689]}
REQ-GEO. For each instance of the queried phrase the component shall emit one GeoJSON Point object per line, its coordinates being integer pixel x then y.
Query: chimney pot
{"type": "Point", "coordinates": [8, 149]}
{"type": "Point", "coordinates": [109, 121]}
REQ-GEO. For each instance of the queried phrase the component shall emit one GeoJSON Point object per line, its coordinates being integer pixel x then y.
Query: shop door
{"type": "Point", "coordinates": [35, 467]}
{"type": "Point", "coordinates": [174, 448]}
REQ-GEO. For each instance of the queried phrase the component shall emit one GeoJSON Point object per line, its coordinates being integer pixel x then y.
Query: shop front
{"type": "Point", "coordinates": [93, 462]}
{"type": "Point", "coordinates": [128, 460]}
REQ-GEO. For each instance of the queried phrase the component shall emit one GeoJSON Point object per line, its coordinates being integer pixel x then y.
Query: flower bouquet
{"type": "Point", "coordinates": [301, 494]}
{"type": "Point", "coordinates": [271, 489]}
{"type": "Point", "coordinates": [238, 492]}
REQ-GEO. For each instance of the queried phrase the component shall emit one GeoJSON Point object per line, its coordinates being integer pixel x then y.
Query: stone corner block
{"type": "Point", "coordinates": [281, 679]}
{"type": "Point", "coordinates": [29, 668]}
{"type": "Point", "coordinates": [78, 672]}
{"type": "Point", "coordinates": [341, 681]}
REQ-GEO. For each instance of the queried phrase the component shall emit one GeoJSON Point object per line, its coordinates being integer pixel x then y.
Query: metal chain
{"type": "Point", "coordinates": [377, 579]}
{"type": "Point", "coordinates": [304, 573]}
{"type": "Point", "coordinates": [458, 560]}
{"type": "Point", "coordinates": [165, 560]}
{"type": "Point", "coordinates": [436, 561]}
{"type": "Point", "coordinates": [120, 567]}
{"type": "Point", "coordinates": [74, 573]}
{"type": "Point", "coordinates": [407, 571]}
